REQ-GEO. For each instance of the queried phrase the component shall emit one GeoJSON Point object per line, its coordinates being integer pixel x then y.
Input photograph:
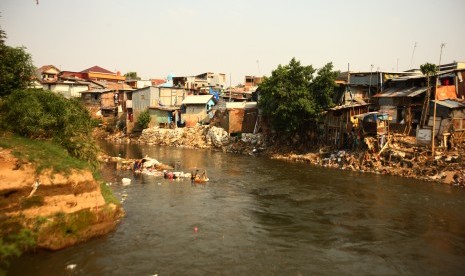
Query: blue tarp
{"type": "Point", "coordinates": [216, 94]}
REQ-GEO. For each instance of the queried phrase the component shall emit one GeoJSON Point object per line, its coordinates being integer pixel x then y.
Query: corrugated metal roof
{"type": "Point", "coordinates": [401, 92]}
{"type": "Point", "coordinates": [197, 99]}
{"type": "Point", "coordinates": [241, 105]}
{"type": "Point", "coordinates": [404, 78]}
{"type": "Point", "coordinates": [97, 90]}
{"type": "Point", "coordinates": [450, 104]}
{"type": "Point", "coordinates": [348, 106]}
{"type": "Point", "coordinates": [165, 108]}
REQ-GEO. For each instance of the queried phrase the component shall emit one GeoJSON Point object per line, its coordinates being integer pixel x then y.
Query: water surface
{"type": "Point", "coordinates": [259, 217]}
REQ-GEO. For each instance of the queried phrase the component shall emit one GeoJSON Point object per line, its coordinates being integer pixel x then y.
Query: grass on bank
{"type": "Point", "coordinates": [43, 154]}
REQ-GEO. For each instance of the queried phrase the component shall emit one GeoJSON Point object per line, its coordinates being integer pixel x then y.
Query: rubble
{"type": "Point", "coordinates": [217, 136]}
{"type": "Point", "coordinates": [399, 156]}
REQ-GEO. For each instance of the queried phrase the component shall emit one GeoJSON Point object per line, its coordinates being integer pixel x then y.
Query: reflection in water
{"type": "Point", "coordinates": [260, 216]}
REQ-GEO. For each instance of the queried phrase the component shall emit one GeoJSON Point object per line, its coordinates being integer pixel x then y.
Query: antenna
{"type": "Point", "coordinates": [411, 59]}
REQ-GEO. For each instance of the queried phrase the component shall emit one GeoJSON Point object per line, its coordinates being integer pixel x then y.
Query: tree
{"type": "Point", "coordinates": [16, 68]}
{"type": "Point", "coordinates": [429, 70]}
{"type": "Point", "coordinates": [131, 76]}
{"type": "Point", "coordinates": [292, 95]}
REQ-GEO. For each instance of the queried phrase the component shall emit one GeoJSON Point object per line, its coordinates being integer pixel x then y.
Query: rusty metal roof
{"type": "Point", "coordinates": [450, 103]}
{"type": "Point", "coordinates": [401, 92]}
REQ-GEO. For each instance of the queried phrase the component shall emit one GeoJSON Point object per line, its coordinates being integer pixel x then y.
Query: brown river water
{"type": "Point", "coordinates": [258, 216]}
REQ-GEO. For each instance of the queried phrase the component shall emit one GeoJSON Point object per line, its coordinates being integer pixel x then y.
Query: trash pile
{"type": "Point", "coordinates": [400, 157]}
{"type": "Point", "coordinates": [217, 136]}
{"type": "Point", "coordinates": [147, 166]}
{"type": "Point", "coordinates": [179, 137]}
{"type": "Point", "coordinates": [247, 143]}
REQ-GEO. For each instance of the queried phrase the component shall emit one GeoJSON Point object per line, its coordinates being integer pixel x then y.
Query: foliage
{"type": "Point", "coordinates": [44, 154]}
{"type": "Point", "coordinates": [144, 119]}
{"type": "Point", "coordinates": [108, 194]}
{"type": "Point", "coordinates": [16, 68]}
{"type": "Point", "coordinates": [14, 244]}
{"type": "Point", "coordinates": [131, 76]}
{"type": "Point", "coordinates": [428, 69]}
{"type": "Point", "coordinates": [29, 202]}
{"type": "Point", "coordinates": [40, 114]}
{"type": "Point", "coordinates": [293, 95]}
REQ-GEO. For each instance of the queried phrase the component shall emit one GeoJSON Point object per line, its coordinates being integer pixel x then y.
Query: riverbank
{"type": "Point", "coordinates": [400, 157]}
{"type": "Point", "coordinates": [52, 200]}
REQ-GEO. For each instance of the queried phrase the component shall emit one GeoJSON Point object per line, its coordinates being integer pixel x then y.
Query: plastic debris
{"type": "Point", "coordinates": [71, 266]}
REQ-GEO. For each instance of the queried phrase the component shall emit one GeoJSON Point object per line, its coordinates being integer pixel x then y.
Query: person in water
{"type": "Point", "coordinates": [192, 177]}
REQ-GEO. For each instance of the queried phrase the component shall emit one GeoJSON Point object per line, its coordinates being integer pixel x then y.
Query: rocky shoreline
{"type": "Point", "coordinates": [401, 157]}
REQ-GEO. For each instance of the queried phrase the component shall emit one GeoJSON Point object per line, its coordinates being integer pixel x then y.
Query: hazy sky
{"type": "Point", "coordinates": [156, 38]}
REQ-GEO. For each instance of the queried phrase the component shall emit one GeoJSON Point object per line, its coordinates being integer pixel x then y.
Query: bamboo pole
{"type": "Point", "coordinates": [435, 100]}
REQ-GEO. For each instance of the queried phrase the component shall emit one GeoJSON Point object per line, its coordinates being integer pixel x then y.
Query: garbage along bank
{"type": "Point", "coordinates": [57, 209]}
{"type": "Point", "coordinates": [399, 156]}
{"type": "Point", "coordinates": [152, 167]}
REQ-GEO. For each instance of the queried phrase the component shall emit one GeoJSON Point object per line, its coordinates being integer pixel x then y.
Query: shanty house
{"type": "Point", "coordinates": [165, 116]}
{"type": "Point", "coordinates": [239, 117]}
{"type": "Point", "coordinates": [154, 98]}
{"type": "Point", "coordinates": [338, 122]}
{"type": "Point", "coordinates": [403, 100]}
{"type": "Point", "coordinates": [197, 109]}
{"type": "Point", "coordinates": [450, 119]}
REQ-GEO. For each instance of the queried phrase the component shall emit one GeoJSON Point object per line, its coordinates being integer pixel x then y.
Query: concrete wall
{"type": "Point", "coordinates": [67, 90]}
{"type": "Point", "coordinates": [171, 96]}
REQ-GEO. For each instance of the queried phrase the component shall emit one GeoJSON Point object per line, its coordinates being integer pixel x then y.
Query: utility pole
{"type": "Point", "coordinates": [230, 87]}
{"type": "Point", "coordinates": [371, 76]}
{"type": "Point", "coordinates": [435, 100]}
{"type": "Point", "coordinates": [411, 59]}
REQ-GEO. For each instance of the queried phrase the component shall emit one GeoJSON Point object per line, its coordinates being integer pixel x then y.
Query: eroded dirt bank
{"type": "Point", "coordinates": [61, 209]}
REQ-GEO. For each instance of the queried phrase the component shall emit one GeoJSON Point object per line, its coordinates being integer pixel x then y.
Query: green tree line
{"type": "Point", "coordinates": [296, 94]}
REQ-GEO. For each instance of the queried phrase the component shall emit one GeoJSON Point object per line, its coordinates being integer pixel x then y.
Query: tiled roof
{"type": "Point", "coordinates": [97, 69]}
{"type": "Point", "coordinates": [156, 82]}
{"type": "Point", "coordinates": [118, 86]}
{"type": "Point", "coordinates": [46, 67]}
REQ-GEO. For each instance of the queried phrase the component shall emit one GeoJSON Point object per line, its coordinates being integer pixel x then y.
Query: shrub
{"type": "Point", "coordinates": [144, 119]}
{"type": "Point", "coordinates": [40, 114]}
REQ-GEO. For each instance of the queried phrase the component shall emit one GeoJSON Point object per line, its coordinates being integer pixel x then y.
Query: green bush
{"type": "Point", "coordinates": [40, 114]}
{"type": "Point", "coordinates": [14, 244]}
{"type": "Point", "coordinates": [144, 119]}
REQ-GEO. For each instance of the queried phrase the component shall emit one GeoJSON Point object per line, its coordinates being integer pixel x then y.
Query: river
{"type": "Point", "coordinates": [258, 216]}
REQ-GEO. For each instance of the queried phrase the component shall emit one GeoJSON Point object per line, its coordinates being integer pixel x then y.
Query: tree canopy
{"type": "Point", "coordinates": [16, 68]}
{"type": "Point", "coordinates": [131, 76]}
{"type": "Point", "coordinates": [428, 69]}
{"type": "Point", "coordinates": [293, 95]}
